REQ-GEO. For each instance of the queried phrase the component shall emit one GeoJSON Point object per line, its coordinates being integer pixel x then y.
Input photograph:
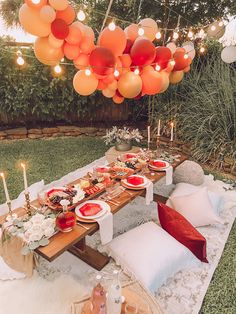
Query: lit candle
{"type": "Point", "coordinates": [5, 188]}
{"type": "Point", "coordinates": [149, 134]}
{"type": "Point", "coordinates": [172, 131]}
{"type": "Point", "coordinates": [159, 128]}
{"type": "Point", "coordinates": [25, 178]}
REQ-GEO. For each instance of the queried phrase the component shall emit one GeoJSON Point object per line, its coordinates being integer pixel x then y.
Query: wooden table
{"type": "Point", "coordinates": [75, 241]}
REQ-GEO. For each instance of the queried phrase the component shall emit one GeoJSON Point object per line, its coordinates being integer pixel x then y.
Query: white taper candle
{"type": "Point", "coordinates": [5, 188]}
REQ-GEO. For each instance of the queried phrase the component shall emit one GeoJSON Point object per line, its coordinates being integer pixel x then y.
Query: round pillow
{"type": "Point", "coordinates": [189, 172]}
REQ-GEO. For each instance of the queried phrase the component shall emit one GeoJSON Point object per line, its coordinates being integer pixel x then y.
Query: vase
{"type": "Point", "coordinates": [123, 146]}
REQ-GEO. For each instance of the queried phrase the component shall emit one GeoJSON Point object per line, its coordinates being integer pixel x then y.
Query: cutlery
{"type": "Point", "coordinates": [87, 228]}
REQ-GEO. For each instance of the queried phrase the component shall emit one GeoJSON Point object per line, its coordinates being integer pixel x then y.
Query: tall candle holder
{"type": "Point", "coordinates": [11, 215]}
{"type": "Point", "coordinates": [27, 203]}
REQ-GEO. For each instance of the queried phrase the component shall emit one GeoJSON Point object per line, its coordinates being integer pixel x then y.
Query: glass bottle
{"type": "Point", "coordinates": [66, 220]}
{"type": "Point", "coordinates": [98, 298]}
{"type": "Point", "coordinates": [114, 295]}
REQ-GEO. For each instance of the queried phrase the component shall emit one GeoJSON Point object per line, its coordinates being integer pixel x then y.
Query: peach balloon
{"type": "Point", "coordinates": [101, 85]}
{"type": "Point", "coordinates": [59, 5]}
{"type": "Point", "coordinates": [75, 35]}
{"type": "Point", "coordinates": [117, 99]}
{"type": "Point", "coordinates": [31, 22]}
{"type": "Point", "coordinates": [113, 40]}
{"type": "Point", "coordinates": [165, 81]}
{"type": "Point", "coordinates": [176, 77]}
{"type": "Point", "coordinates": [187, 69]}
{"type": "Point", "coordinates": [45, 53]}
{"type": "Point", "coordinates": [109, 93]}
{"type": "Point", "coordinates": [54, 42]}
{"type": "Point", "coordinates": [147, 68]}
{"type": "Point", "coordinates": [47, 14]}
{"type": "Point", "coordinates": [87, 45]}
{"type": "Point", "coordinates": [82, 61]}
{"type": "Point", "coordinates": [131, 31]}
{"type": "Point", "coordinates": [129, 85]}
{"type": "Point", "coordinates": [152, 82]}
{"type": "Point", "coordinates": [36, 6]}
{"type": "Point", "coordinates": [81, 26]}
{"type": "Point", "coordinates": [68, 15]}
{"type": "Point", "coordinates": [150, 28]}
{"type": "Point", "coordinates": [85, 84]}
{"type": "Point", "coordinates": [71, 51]}
{"type": "Point", "coordinates": [126, 60]}
{"type": "Point", "coordinates": [169, 67]}
{"type": "Point", "coordinates": [113, 85]}
{"type": "Point", "coordinates": [88, 32]}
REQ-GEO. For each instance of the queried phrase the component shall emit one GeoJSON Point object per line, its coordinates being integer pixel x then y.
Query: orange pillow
{"type": "Point", "coordinates": [181, 229]}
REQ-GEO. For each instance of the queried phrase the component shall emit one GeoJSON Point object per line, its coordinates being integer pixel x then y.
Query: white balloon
{"type": "Point", "coordinates": [190, 51]}
{"type": "Point", "coordinates": [228, 54]}
{"type": "Point", "coordinates": [215, 30]}
{"type": "Point", "coordinates": [172, 47]}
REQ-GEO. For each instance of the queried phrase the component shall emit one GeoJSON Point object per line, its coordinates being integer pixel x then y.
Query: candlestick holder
{"type": "Point", "coordinates": [28, 206]}
{"type": "Point", "coordinates": [11, 215]}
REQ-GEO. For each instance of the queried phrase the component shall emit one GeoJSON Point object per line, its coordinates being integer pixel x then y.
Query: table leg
{"type": "Point", "coordinates": [89, 255]}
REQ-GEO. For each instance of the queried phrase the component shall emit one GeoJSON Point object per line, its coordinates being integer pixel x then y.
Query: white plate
{"type": "Point", "coordinates": [104, 205]}
{"type": "Point", "coordinates": [160, 168]}
{"type": "Point", "coordinates": [80, 192]}
{"type": "Point", "coordinates": [138, 186]}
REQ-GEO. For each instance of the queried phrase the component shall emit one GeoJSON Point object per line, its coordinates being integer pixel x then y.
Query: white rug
{"type": "Point", "coordinates": [68, 279]}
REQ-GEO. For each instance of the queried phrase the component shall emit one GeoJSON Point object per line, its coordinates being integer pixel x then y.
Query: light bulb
{"type": "Point", "coordinates": [116, 73]}
{"type": "Point", "coordinates": [190, 34]}
{"type": "Point", "coordinates": [112, 26]}
{"type": "Point", "coordinates": [136, 71]}
{"type": "Point", "coordinates": [186, 56]}
{"type": "Point", "coordinates": [172, 62]}
{"type": "Point", "coordinates": [63, 59]}
{"type": "Point", "coordinates": [87, 72]}
{"type": "Point", "coordinates": [158, 35]}
{"type": "Point", "coordinates": [202, 49]}
{"type": "Point", "coordinates": [141, 31]}
{"type": "Point", "coordinates": [157, 67]}
{"type": "Point", "coordinates": [81, 15]}
{"type": "Point", "coordinates": [175, 35]}
{"type": "Point", "coordinates": [213, 28]}
{"type": "Point", "coordinates": [57, 69]}
{"type": "Point", "coordinates": [35, 1]}
{"type": "Point", "coordinates": [19, 53]}
{"type": "Point", "coordinates": [221, 23]}
{"type": "Point", "coordinates": [20, 61]}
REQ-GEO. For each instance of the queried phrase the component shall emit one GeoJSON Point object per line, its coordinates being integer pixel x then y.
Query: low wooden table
{"type": "Point", "coordinates": [75, 241]}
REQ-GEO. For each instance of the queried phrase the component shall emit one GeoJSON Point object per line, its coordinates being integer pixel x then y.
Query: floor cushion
{"type": "Point", "coordinates": [196, 208]}
{"type": "Point", "coordinates": [189, 172]}
{"type": "Point", "coordinates": [179, 228]}
{"type": "Point", "coordinates": [149, 254]}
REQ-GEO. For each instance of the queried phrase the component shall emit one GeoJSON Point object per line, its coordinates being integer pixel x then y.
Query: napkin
{"type": "Point", "coordinates": [106, 227]}
{"type": "Point", "coordinates": [169, 175]}
{"type": "Point", "coordinates": [149, 192]}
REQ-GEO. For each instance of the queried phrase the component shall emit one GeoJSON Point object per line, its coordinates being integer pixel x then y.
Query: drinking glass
{"type": "Point", "coordinates": [131, 308]}
{"type": "Point", "coordinates": [42, 197]}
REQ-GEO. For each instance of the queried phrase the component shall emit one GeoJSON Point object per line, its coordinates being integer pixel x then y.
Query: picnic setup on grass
{"type": "Point", "coordinates": [118, 157]}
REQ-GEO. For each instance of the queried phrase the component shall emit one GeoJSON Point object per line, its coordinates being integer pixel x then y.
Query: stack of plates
{"type": "Point", "coordinates": [89, 219]}
{"type": "Point", "coordinates": [157, 168]}
{"type": "Point", "coordinates": [141, 186]}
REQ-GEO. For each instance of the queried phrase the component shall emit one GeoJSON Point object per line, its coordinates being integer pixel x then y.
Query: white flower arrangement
{"type": "Point", "coordinates": [35, 231]}
{"type": "Point", "coordinates": [124, 135]}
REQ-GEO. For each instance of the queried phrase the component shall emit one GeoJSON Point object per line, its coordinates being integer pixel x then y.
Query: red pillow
{"type": "Point", "coordinates": [181, 229]}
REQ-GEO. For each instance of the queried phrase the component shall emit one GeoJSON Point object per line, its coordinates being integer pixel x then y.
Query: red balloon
{"type": "Point", "coordinates": [129, 44]}
{"type": "Point", "coordinates": [163, 56]}
{"type": "Point", "coordinates": [182, 60]}
{"type": "Point", "coordinates": [59, 29]}
{"type": "Point", "coordinates": [142, 52]}
{"type": "Point", "coordinates": [102, 61]}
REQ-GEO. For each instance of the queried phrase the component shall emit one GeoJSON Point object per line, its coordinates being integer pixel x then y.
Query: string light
{"type": "Point", "coordinates": [141, 31]}
{"type": "Point", "coordinates": [175, 35]}
{"type": "Point", "coordinates": [213, 28]}
{"type": "Point", "coordinates": [63, 59]}
{"type": "Point", "coordinates": [136, 71]}
{"type": "Point", "coordinates": [88, 72]}
{"type": "Point", "coordinates": [202, 49]}
{"type": "Point", "coordinates": [112, 26]}
{"type": "Point", "coordinates": [35, 1]}
{"type": "Point", "coordinates": [190, 34]}
{"type": "Point", "coordinates": [221, 23]}
{"type": "Point", "coordinates": [158, 35]}
{"type": "Point", "coordinates": [172, 62]}
{"type": "Point", "coordinates": [57, 69]}
{"type": "Point", "coordinates": [116, 73]}
{"type": "Point", "coordinates": [157, 67]}
{"type": "Point", "coordinates": [20, 60]}
{"type": "Point", "coordinates": [186, 56]}
{"type": "Point", "coordinates": [81, 15]}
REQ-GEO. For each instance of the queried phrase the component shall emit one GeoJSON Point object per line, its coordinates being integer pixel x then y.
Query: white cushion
{"type": "Point", "coordinates": [150, 254]}
{"type": "Point", "coordinates": [196, 208]}
{"type": "Point", "coordinates": [182, 189]}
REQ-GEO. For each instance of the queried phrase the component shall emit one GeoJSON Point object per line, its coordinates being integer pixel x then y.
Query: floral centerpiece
{"type": "Point", "coordinates": [122, 138]}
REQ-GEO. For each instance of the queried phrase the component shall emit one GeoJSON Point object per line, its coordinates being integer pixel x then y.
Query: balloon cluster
{"type": "Point", "coordinates": [122, 64]}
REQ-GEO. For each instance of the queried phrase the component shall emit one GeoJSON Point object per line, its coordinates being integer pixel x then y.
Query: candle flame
{"type": "Point", "coordinates": [172, 124]}
{"type": "Point", "coordinates": [22, 165]}
{"type": "Point", "coordinates": [2, 174]}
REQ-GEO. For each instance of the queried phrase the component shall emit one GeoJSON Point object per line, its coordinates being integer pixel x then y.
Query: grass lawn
{"type": "Point", "coordinates": [50, 159]}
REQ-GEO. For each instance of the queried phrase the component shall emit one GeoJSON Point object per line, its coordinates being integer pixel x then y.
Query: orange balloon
{"type": "Point", "coordinates": [126, 60]}
{"type": "Point", "coordinates": [71, 51]}
{"type": "Point", "coordinates": [54, 42]}
{"type": "Point", "coordinates": [147, 68]}
{"type": "Point", "coordinates": [36, 5]}
{"type": "Point", "coordinates": [180, 49]}
{"type": "Point", "coordinates": [75, 35]}
{"type": "Point", "coordinates": [117, 99]}
{"type": "Point", "coordinates": [85, 84]}
{"type": "Point", "coordinates": [131, 31]}
{"type": "Point", "coordinates": [88, 32]}
{"type": "Point", "coordinates": [101, 85]}
{"type": "Point", "coordinates": [165, 81]}
{"type": "Point", "coordinates": [82, 61]}
{"type": "Point", "coordinates": [87, 45]}
{"type": "Point", "coordinates": [176, 76]}
{"type": "Point", "coordinates": [129, 85]}
{"type": "Point", "coordinates": [47, 54]}
{"type": "Point", "coordinates": [113, 85]}
{"type": "Point", "coordinates": [68, 15]}
{"type": "Point", "coordinates": [152, 82]}
{"type": "Point", "coordinates": [109, 78]}
{"type": "Point", "coordinates": [59, 4]}
{"type": "Point", "coordinates": [47, 14]}
{"type": "Point", "coordinates": [32, 23]}
{"type": "Point", "coordinates": [113, 40]}
{"type": "Point", "coordinates": [187, 69]}
{"type": "Point", "coordinates": [150, 28]}
{"type": "Point", "coordinates": [109, 93]}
